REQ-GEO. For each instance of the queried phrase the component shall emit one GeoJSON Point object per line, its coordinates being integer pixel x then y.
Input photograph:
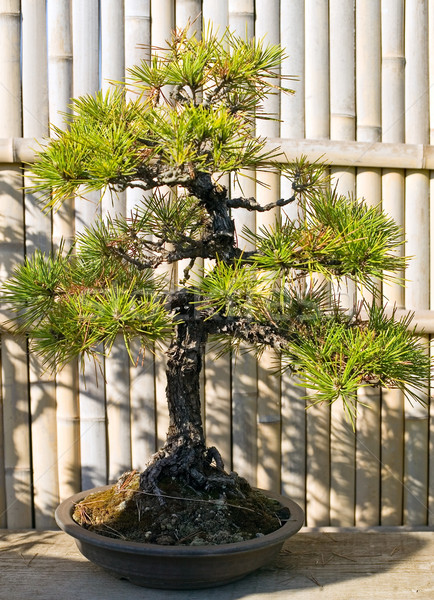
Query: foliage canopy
{"type": "Point", "coordinates": [189, 113]}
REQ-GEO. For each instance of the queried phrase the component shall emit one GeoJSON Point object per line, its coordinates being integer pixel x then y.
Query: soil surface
{"type": "Point", "coordinates": [183, 516]}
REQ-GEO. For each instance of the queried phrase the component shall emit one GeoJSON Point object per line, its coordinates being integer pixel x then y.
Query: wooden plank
{"type": "Point", "coordinates": [328, 564]}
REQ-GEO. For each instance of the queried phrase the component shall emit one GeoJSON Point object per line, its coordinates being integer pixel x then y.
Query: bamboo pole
{"type": "Point", "coordinates": [142, 386]}
{"type": "Point", "coordinates": [244, 366]}
{"type": "Point", "coordinates": [189, 12]}
{"type": "Point", "coordinates": [116, 365]}
{"type": "Point", "coordinates": [417, 245]}
{"type": "Point", "coordinates": [242, 18]}
{"type": "Point", "coordinates": [293, 404]}
{"type": "Point", "coordinates": [368, 99]}
{"type": "Point", "coordinates": [59, 29]}
{"type": "Point", "coordinates": [267, 25]}
{"type": "Point", "coordinates": [342, 153]}
{"type": "Point", "coordinates": [92, 424]}
{"type": "Point", "coordinates": [137, 31]}
{"type": "Point", "coordinates": [392, 408]}
{"type": "Point", "coordinates": [317, 104]}
{"type": "Point", "coordinates": [143, 416]}
{"type": "Point", "coordinates": [317, 120]}
{"type": "Point", "coordinates": [217, 14]}
{"type": "Point", "coordinates": [38, 235]}
{"type": "Point", "coordinates": [342, 127]}
{"type": "Point", "coordinates": [431, 139]}
{"type": "Point", "coordinates": [162, 24]}
{"type": "Point", "coordinates": [218, 421]}
{"type": "Point", "coordinates": [85, 15]}
{"type": "Point", "coordinates": [16, 481]}
{"type": "Point", "coordinates": [117, 377]}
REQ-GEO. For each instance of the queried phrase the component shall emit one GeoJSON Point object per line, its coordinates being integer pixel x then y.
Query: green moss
{"type": "Point", "coordinates": [187, 517]}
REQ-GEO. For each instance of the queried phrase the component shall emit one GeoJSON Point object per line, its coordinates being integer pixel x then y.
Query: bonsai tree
{"type": "Point", "coordinates": [191, 121]}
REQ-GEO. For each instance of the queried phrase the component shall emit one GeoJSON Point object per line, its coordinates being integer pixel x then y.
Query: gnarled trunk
{"type": "Point", "coordinates": [184, 456]}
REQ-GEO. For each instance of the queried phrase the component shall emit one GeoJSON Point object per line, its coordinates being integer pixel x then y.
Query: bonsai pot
{"type": "Point", "coordinates": [178, 567]}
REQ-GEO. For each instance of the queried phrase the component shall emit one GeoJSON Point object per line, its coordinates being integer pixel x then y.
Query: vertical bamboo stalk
{"type": "Point", "coordinates": [267, 25]}
{"type": "Point", "coordinates": [368, 98]}
{"type": "Point", "coordinates": [244, 366]}
{"type": "Point", "coordinates": [392, 407]}
{"type": "Point", "coordinates": [317, 104]}
{"type": "Point", "coordinates": [85, 15]}
{"type": "Point", "coordinates": [137, 31]}
{"type": "Point", "coordinates": [142, 385]}
{"type": "Point", "coordinates": [317, 108]}
{"type": "Point", "coordinates": [59, 29]}
{"type": "Point", "coordinates": [117, 376]}
{"type": "Point", "coordinates": [38, 235]}
{"type": "Point", "coordinates": [17, 482]}
{"type": "Point", "coordinates": [293, 404]}
{"type": "Point", "coordinates": [92, 425]}
{"type": "Point", "coordinates": [431, 140]}
{"type": "Point", "coordinates": [342, 127]}
{"type": "Point", "coordinates": [218, 420]}
{"type": "Point", "coordinates": [116, 365]}
{"type": "Point", "coordinates": [85, 18]}
{"type": "Point", "coordinates": [143, 417]}
{"type": "Point", "coordinates": [217, 14]}
{"type": "Point", "coordinates": [189, 12]}
{"type": "Point", "coordinates": [162, 24]}
{"type": "Point", "coordinates": [417, 245]}
{"type": "Point", "coordinates": [242, 17]}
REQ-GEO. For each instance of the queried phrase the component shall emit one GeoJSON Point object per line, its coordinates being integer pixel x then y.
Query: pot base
{"type": "Point", "coordinates": [178, 567]}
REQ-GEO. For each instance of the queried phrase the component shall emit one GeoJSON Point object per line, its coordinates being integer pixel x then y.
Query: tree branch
{"type": "Point", "coordinates": [252, 204]}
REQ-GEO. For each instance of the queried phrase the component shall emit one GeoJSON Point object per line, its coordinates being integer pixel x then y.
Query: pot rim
{"type": "Point", "coordinates": [64, 520]}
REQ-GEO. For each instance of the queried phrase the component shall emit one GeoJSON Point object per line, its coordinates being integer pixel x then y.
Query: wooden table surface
{"type": "Point", "coordinates": [325, 564]}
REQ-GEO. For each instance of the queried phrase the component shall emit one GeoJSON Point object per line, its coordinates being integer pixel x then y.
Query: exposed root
{"type": "Point", "coordinates": [199, 468]}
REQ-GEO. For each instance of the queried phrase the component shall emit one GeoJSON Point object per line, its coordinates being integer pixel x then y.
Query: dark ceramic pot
{"type": "Point", "coordinates": [178, 567]}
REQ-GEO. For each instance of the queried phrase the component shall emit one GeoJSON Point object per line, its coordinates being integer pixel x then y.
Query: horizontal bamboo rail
{"type": "Point", "coordinates": [338, 152]}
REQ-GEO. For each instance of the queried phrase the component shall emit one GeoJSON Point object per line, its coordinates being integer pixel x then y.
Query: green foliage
{"type": "Point", "coordinates": [113, 141]}
{"type": "Point", "coordinates": [333, 357]}
{"type": "Point", "coordinates": [335, 236]}
{"type": "Point", "coordinates": [192, 116]}
{"type": "Point", "coordinates": [78, 304]}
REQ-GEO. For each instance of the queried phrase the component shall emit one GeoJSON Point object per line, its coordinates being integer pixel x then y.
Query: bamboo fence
{"type": "Point", "coordinates": [365, 69]}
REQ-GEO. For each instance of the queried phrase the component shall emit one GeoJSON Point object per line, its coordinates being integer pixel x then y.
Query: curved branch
{"type": "Point", "coordinates": [252, 204]}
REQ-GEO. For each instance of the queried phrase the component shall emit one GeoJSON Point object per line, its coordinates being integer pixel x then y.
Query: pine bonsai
{"type": "Point", "coordinates": [192, 118]}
